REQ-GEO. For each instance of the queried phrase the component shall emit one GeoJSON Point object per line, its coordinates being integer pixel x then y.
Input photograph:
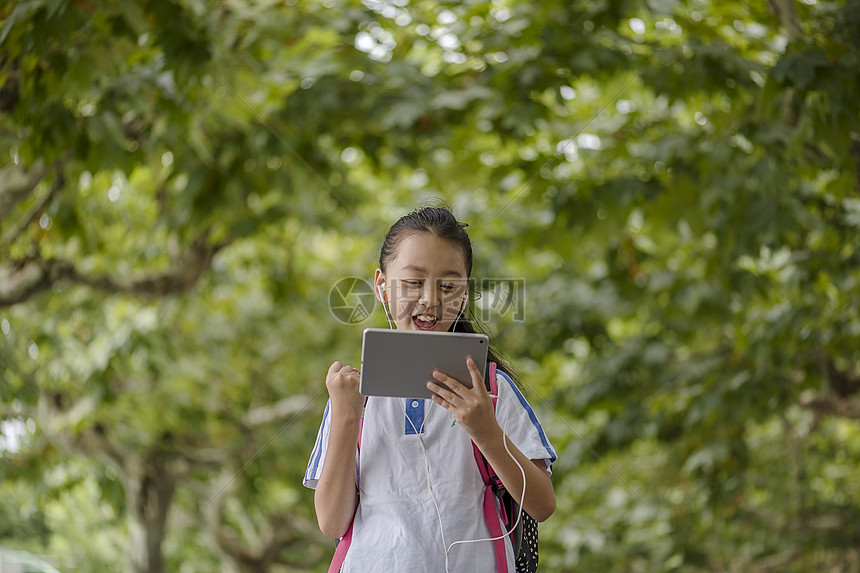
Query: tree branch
{"type": "Point", "coordinates": [24, 278]}
{"type": "Point", "coordinates": [277, 411]}
{"type": "Point", "coordinates": [17, 185]}
{"type": "Point", "coordinates": [185, 459]}
{"type": "Point", "coordinates": [832, 405]}
{"type": "Point", "coordinates": [778, 562]}
{"type": "Point", "coordinates": [94, 442]}
{"type": "Point", "coordinates": [790, 22]}
{"type": "Point", "coordinates": [289, 531]}
{"type": "Point", "coordinates": [25, 222]}
{"type": "Point", "coordinates": [182, 277]}
{"type": "Point", "coordinates": [788, 18]}
{"type": "Point", "coordinates": [840, 394]}
{"type": "Point", "coordinates": [278, 534]}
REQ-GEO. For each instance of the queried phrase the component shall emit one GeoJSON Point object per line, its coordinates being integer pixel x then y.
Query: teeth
{"type": "Point", "coordinates": [426, 317]}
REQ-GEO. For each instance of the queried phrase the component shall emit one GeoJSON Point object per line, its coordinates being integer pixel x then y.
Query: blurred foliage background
{"type": "Point", "coordinates": [183, 182]}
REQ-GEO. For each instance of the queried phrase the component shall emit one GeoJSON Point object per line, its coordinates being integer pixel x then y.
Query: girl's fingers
{"type": "Point", "coordinates": [477, 376]}
{"type": "Point", "coordinates": [442, 377]}
{"type": "Point", "coordinates": [456, 387]}
{"type": "Point", "coordinates": [441, 392]}
{"type": "Point", "coordinates": [442, 402]}
{"type": "Point", "coordinates": [345, 373]}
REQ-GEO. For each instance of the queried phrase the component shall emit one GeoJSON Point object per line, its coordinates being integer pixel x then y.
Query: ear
{"type": "Point", "coordinates": [378, 281]}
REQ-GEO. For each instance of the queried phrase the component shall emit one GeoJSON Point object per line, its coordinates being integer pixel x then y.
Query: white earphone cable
{"type": "Point", "coordinates": [522, 496]}
{"type": "Point", "coordinates": [379, 289]}
{"type": "Point", "coordinates": [433, 496]}
{"type": "Point", "coordinates": [427, 469]}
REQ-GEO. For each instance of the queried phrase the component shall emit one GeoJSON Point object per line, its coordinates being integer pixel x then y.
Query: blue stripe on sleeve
{"type": "Point", "coordinates": [543, 439]}
{"type": "Point", "coordinates": [316, 454]}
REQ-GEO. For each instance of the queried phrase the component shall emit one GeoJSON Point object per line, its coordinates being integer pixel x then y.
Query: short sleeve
{"type": "Point", "coordinates": [520, 423]}
{"type": "Point", "coordinates": [315, 463]}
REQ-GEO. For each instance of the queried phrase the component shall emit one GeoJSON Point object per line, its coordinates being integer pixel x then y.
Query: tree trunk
{"type": "Point", "coordinates": [149, 489]}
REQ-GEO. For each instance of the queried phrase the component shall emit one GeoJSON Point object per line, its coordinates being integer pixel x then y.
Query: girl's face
{"type": "Point", "coordinates": [426, 283]}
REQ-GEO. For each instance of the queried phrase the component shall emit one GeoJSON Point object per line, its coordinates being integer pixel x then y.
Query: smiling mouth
{"type": "Point", "coordinates": [424, 321]}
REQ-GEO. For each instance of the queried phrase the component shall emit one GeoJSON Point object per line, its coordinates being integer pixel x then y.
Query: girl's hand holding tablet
{"type": "Point", "coordinates": [471, 407]}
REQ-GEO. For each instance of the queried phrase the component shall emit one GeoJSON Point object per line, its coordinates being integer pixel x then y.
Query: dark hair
{"type": "Point", "coordinates": [440, 221]}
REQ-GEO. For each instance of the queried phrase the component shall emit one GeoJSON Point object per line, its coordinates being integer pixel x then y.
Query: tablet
{"type": "Point", "coordinates": [399, 363]}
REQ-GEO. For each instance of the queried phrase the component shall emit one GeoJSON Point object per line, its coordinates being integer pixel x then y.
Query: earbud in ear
{"type": "Point", "coordinates": [465, 297]}
{"type": "Point", "coordinates": [380, 289]}
{"type": "Point", "coordinates": [382, 286]}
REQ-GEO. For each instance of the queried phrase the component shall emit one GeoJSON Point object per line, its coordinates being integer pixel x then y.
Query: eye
{"type": "Point", "coordinates": [412, 284]}
{"type": "Point", "coordinates": [447, 288]}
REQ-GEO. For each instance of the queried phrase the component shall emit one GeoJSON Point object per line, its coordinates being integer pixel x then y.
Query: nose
{"type": "Point", "coordinates": [429, 296]}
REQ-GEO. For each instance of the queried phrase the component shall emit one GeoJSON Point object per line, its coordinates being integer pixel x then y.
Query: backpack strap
{"type": "Point", "coordinates": [340, 551]}
{"type": "Point", "coordinates": [345, 541]}
{"type": "Point", "coordinates": [491, 480]}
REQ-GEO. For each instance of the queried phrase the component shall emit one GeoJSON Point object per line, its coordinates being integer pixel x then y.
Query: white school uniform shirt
{"type": "Point", "coordinates": [396, 526]}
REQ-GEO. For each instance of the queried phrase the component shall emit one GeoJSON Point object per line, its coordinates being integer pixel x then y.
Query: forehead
{"type": "Point", "coordinates": [426, 253]}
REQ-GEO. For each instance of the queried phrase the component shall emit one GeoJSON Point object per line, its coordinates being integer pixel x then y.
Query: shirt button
{"type": "Point", "coordinates": [414, 403]}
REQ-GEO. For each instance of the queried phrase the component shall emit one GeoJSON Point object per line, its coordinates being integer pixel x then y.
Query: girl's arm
{"type": "Point", "coordinates": [335, 497]}
{"type": "Point", "coordinates": [473, 409]}
{"type": "Point", "coordinates": [540, 495]}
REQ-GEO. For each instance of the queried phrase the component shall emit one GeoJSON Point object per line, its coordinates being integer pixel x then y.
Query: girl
{"type": "Point", "coordinates": [412, 488]}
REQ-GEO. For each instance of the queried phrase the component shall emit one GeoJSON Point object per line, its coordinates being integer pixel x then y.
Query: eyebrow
{"type": "Point", "coordinates": [418, 269]}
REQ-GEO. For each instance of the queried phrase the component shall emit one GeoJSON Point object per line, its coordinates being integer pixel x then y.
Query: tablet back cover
{"type": "Point", "coordinates": [399, 363]}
